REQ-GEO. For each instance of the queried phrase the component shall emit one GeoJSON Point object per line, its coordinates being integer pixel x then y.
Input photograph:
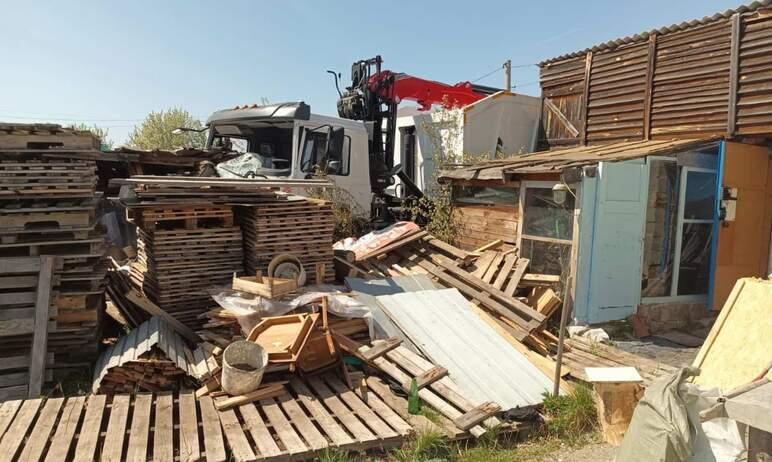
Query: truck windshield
{"type": "Point", "coordinates": [267, 149]}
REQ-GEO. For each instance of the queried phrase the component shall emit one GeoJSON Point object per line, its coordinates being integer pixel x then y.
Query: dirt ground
{"type": "Point", "coordinates": [660, 350]}
{"type": "Point", "coordinates": [594, 452]}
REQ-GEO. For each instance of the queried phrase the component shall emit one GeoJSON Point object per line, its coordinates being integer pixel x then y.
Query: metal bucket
{"type": "Point", "coordinates": [243, 365]}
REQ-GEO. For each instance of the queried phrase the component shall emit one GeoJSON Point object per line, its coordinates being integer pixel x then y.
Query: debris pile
{"type": "Point", "coordinates": [48, 206]}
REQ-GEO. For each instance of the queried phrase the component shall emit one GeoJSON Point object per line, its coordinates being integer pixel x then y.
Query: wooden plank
{"type": "Point", "coordinates": [381, 349]}
{"type": "Point", "coordinates": [327, 422]}
{"type": "Point", "coordinates": [37, 367]}
{"type": "Point", "coordinates": [140, 428]}
{"type": "Point", "coordinates": [340, 410]}
{"type": "Point", "coordinates": [300, 420]}
{"type": "Point", "coordinates": [517, 275]}
{"type": "Point", "coordinates": [429, 377]}
{"type": "Point", "coordinates": [260, 434]}
{"type": "Point", "coordinates": [153, 309]}
{"type": "Point", "coordinates": [38, 439]}
{"type": "Point", "coordinates": [282, 427]}
{"type": "Point", "coordinates": [394, 245]}
{"type": "Point", "coordinates": [398, 405]}
{"type": "Point", "coordinates": [427, 395]}
{"type": "Point", "coordinates": [649, 91]}
{"type": "Point", "coordinates": [271, 390]}
{"type": "Point", "coordinates": [734, 73]}
{"type": "Point", "coordinates": [163, 434]}
{"type": "Point", "coordinates": [214, 447]}
{"type": "Point", "coordinates": [506, 269]}
{"type": "Point", "coordinates": [560, 117]}
{"type": "Point", "coordinates": [445, 387]}
{"type": "Point", "coordinates": [112, 449]}
{"type": "Point", "coordinates": [483, 263]}
{"type": "Point", "coordinates": [361, 409]}
{"type": "Point", "coordinates": [477, 415]}
{"type": "Point", "coordinates": [65, 430]}
{"type": "Point", "coordinates": [387, 414]}
{"type": "Point", "coordinates": [189, 447]}
{"type": "Point", "coordinates": [493, 268]}
{"type": "Point", "coordinates": [18, 265]}
{"type": "Point", "coordinates": [239, 445]}
{"type": "Point", "coordinates": [8, 410]}
{"type": "Point", "coordinates": [15, 434]}
{"type": "Point", "coordinates": [91, 429]}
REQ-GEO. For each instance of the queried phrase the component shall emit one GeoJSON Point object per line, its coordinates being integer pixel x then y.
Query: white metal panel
{"type": "Point", "coordinates": [443, 326]}
{"type": "Point", "coordinates": [616, 246]}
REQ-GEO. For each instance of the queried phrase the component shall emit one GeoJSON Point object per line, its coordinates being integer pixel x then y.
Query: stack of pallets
{"type": "Point", "coordinates": [301, 227]}
{"type": "Point", "coordinates": [183, 251]}
{"type": "Point", "coordinates": [48, 207]}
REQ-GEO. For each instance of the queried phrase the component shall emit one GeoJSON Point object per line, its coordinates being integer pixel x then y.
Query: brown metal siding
{"type": "Point", "coordinates": [709, 80]}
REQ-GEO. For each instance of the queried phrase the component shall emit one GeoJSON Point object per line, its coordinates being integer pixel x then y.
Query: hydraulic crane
{"type": "Point", "coordinates": [373, 97]}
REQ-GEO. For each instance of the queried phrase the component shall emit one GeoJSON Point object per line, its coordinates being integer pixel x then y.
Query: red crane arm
{"type": "Point", "coordinates": [394, 87]}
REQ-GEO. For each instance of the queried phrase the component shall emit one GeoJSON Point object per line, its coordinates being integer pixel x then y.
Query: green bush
{"type": "Point", "coordinates": [570, 416]}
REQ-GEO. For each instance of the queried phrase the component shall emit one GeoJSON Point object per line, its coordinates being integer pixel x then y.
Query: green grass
{"type": "Point", "coordinates": [571, 416]}
{"type": "Point", "coordinates": [424, 447]}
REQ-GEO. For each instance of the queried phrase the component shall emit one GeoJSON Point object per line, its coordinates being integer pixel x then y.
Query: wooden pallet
{"type": "Point", "coordinates": [314, 415]}
{"type": "Point", "coordinates": [189, 216]}
{"type": "Point", "coordinates": [302, 228]}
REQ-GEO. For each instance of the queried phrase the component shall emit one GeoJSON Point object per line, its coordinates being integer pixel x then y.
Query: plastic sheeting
{"type": "Point", "coordinates": [250, 309]}
{"type": "Point", "coordinates": [666, 426]}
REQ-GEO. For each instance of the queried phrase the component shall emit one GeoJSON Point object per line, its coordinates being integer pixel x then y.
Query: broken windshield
{"type": "Point", "coordinates": [267, 150]}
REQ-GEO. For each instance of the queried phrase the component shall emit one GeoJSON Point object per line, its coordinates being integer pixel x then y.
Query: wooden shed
{"type": "Point", "coordinates": [658, 227]}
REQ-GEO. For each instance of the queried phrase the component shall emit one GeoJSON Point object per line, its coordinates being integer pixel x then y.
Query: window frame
{"type": "Point", "coordinates": [345, 160]}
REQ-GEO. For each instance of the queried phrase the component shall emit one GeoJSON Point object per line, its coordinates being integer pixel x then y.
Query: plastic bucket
{"type": "Point", "coordinates": [243, 365]}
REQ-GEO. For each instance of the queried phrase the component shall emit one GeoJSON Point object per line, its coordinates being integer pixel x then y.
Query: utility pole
{"type": "Point", "coordinates": [508, 75]}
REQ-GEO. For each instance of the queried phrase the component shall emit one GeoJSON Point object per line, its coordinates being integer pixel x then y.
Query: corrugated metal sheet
{"type": "Point", "coordinates": [685, 25]}
{"type": "Point", "coordinates": [560, 159]}
{"type": "Point", "coordinates": [446, 330]}
{"type": "Point", "coordinates": [367, 291]}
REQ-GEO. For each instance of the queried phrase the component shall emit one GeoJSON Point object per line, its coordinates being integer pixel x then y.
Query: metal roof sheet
{"type": "Point", "coordinates": [444, 327]}
{"type": "Point", "coordinates": [643, 36]}
{"type": "Point", "coordinates": [560, 159]}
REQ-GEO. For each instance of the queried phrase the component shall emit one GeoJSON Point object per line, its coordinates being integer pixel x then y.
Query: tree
{"type": "Point", "coordinates": [101, 133]}
{"type": "Point", "coordinates": [155, 132]}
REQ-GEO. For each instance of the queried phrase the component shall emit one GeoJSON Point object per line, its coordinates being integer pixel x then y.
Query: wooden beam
{"type": "Point", "coordinates": [734, 71]}
{"type": "Point", "coordinates": [37, 366]}
{"type": "Point", "coordinates": [561, 117]}
{"type": "Point", "coordinates": [154, 310]}
{"type": "Point", "coordinates": [648, 96]}
{"type": "Point", "coordinates": [586, 95]}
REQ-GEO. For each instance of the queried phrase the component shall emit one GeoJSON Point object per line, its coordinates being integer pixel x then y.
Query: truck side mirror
{"type": "Point", "coordinates": [333, 167]}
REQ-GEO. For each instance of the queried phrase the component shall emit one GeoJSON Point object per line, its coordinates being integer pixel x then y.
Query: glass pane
{"type": "Point", "coordinates": [694, 272]}
{"type": "Point", "coordinates": [546, 257]}
{"type": "Point", "coordinates": [487, 196]}
{"type": "Point", "coordinates": [700, 195]}
{"type": "Point", "coordinates": [545, 217]}
{"type": "Point", "coordinates": [661, 226]}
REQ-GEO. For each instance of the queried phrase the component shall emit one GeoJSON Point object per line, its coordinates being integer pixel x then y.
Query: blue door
{"type": "Point", "coordinates": [608, 284]}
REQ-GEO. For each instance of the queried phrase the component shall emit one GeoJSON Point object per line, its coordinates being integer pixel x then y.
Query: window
{"type": "Point", "coordinates": [315, 154]}
{"type": "Point", "coordinates": [485, 195]}
{"type": "Point", "coordinates": [231, 143]}
{"type": "Point", "coordinates": [547, 228]}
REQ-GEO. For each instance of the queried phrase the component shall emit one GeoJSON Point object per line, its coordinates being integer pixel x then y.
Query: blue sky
{"type": "Point", "coordinates": [110, 63]}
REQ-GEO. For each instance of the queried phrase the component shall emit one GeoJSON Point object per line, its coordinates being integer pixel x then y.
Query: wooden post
{"type": "Point", "coordinates": [616, 402]}
{"type": "Point", "coordinates": [319, 273]}
{"type": "Point", "coordinates": [649, 86]}
{"type": "Point", "coordinates": [734, 71]}
{"type": "Point", "coordinates": [562, 338]}
{"type": "Point", "coordinates": [37, 367]}
{"type": "Point", "coordinates": [586, 95]}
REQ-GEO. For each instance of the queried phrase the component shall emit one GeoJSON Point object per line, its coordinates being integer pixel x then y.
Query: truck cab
{"type": "Point", "coordinates": [287, 141]}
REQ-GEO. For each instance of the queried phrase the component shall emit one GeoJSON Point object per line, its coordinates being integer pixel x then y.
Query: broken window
{"type": "Point", "coordinates": [547, 229]}
{"type": "Point", "coordinates": [485, 195]}
{"type": "Point", "coordinates": [679, 227]}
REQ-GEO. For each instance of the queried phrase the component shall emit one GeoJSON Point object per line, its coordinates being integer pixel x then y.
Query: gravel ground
{"type": "Point", "coordinates": [594, 452]}
{"type": "Point", "coordinates": [660, 350]}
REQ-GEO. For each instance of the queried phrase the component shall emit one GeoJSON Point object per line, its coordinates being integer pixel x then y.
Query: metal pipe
{"type": "Point", "coordinates": [567, 302]}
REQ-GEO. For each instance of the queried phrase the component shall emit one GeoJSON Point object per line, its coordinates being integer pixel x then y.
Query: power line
{"type": "Point", "coordinates": [68, 119]}
{"type": "Point", "coordinates": [517, 66]}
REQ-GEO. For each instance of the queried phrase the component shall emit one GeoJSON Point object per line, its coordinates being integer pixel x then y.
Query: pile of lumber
{"type": "Point", "coordinates": [149, 188]}
{"type": "Point", "coordinates": [152, 357]}
{"type": "Point", "coordinates": [176, 267]}
{"type": "Point", "coordinates": [490, 279]}
{"type": "Point", "coordinates": [48, 206]}
{"type": "Point", "coordinates": [300, 227]}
